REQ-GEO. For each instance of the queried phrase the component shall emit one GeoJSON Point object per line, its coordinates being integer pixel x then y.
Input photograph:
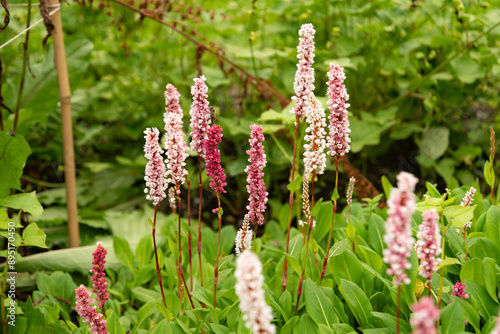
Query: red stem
{"type": "Point", "coordinates": [189, 238]}
{"type": "Point", "coordinates": [216, 269]}
{"type": "Point", "coordinates": [199, 222]}
{"type": "Point", "coordinates": [156, 258]}
{"type": "Point", "coordinates": [290, 203]}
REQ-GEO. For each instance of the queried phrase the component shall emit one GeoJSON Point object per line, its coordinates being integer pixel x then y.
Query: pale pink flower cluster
{"type": "Point", "coordinates": [467, 201]}
{"type": "Point", "coordinates": [314, 148]}
{"type": "Point", "coordinates": [304, 76]}
{"type": "Point", "coordinates": [428, 246]}
{"type": "Point", "coordinates": [398, 235]}
{"type": "Point", "coordinates": [350, 189]}
{"type": "Point", "coordinates": [338, 140]}
{"type": "Point", "coordinates": [424, 317]}
{"type": "Point", "coordinates": [244, 237]}
{"type": "Point", "coordinates": [89, 313]}
{"type": "Point", "coordinates": [256, 186]}
{"type": "Point", "coordinates": [257, 314]}
{"type": "Point", "coordinates": [212, 160]}
{"type": "Point", "coordinates": [175, 145]}
{"type": "Point", "coordinates": [99, 282]}
{"type": "Point", "coordinates": [200, 115]}
{"type": "Point", "coordinates": [155, 168]}
{"type": "Point", "coordinates": [459, 291]}
{"type": "Point", "coordinates": [496, 330]}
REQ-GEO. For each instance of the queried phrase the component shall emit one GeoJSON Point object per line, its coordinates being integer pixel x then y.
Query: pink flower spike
{"type": "Point", "coordinates": [424, 317]}
{"type": "Point", "coordinates": [304, 76]}
{"type": "Point", "coordinates": [428, 246]}
{"type": "Point", "coordinates": [338, 140]}
{"type": "Point", "coordinates": [175, 145]}
{"type": "Point", "coordinates": [459, 291]}
{"type": "Point", "coordinates": [212, 160]}
{"type": "Point", "coordinates": [99, 282]}
{"type": "Point", "coordinates": [257, 314]}
{"type": "Point", "coordinates": [88, 313]}
{"type": "Point", "coordinates": [200, 115]}
{"type": "Point", "coordinates": [398, 236]}
{"type": "Point", "coordinates": [155, 168]}
{"type": "Point", "coordinates": [314, 148]}
{"type": "Point", "coordinates": [256, 186]}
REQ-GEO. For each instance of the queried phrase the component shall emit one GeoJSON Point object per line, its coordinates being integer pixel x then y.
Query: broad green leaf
{"type": "Point", "coordinates": [467, 69]}
{"type": "Point", "coordinates": [289, 326]}
{"type": "Point", "coordinates": [376, 232]}
{"type": "Point", "coordinates": [163, 327]}
{"type": "Point", "coordinates": [373, 259]}
{"type": "Point", "coordinates": [318, 306]}
{"type": "Point", "coordinates": [276, 304]}
{"type": "Point", "coordinates": [338, 248]}
{"type": "Point", "coordinates": [390, 322]}
{"type": "Point", "coordinates": [306, 325]}
{"type": "Point", "coordinates": [387, 187]}
{"type": "Point", "coordinates": [492, 224]}
{"type": "Point", "coordinates": [34, 236]}
{"type": "Point", "coordinates": [28, 202]}
{"type": "Point", "coordinates": [433, 192]}
{"type": "Point", "coordinates": [358, 302]}
{"type": "Point", "coordinates": [434, 142]}
{"type": "Point", "coordinates": [452, 319]}
{"type": "Point", "coordinates": [146, 295]}
{"type": "Point", "coordinates": [459, 215]}
{"type": "Point", "coordinates": [487, 307]}
{"type": "Point", "coordinates": [449, 261]}
{"type": "Point", "coordinates": [489, 275]}
{"type": "Point", "coordinates": [335, 195]}
{"type": "Point", "coordinates": [295, 184]}
{"type": "Point", "coordinates": [14, 150]}
{"type": "Point", "coordinates": [483, 247]}
{"type": "Point", "coordinates": [165, 311]}
{"type": "Point", "coordinates": [113, 323]}
{"type": "Point", "coordinates": [472, 271]}
{"type": "Point", "coordinates": [124, 254]}
{"type": "Point", "coordinates": [343, 329]}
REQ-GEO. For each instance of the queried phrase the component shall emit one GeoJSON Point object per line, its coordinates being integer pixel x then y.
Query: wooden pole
{"type": "Point", "coordinates": [67, 126]}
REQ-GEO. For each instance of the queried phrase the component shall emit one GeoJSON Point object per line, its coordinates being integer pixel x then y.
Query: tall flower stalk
{"type": "Point", "coordinates": [303, 86]}
{"type": "Point", "coordinates": [467, 201]}
{"type": "Point", "coordinates": [428, 246]}
{"type": "Point", "coordinates": [350, 190]}
{"type": "Point", "coordinates": [217, 182]}
{"type": "Point", "coordinates": [175, 148]}
{"type": "Point", "coordinates": [398, 235]}
{"type": "Point", "coordinates": [338, 138]}
{"type": "Point", "coordinates": [156, 184]}
{"type": "Point", "coordinates": [200, 123]}
{"type": "Point", "coordinates": [314, 164]}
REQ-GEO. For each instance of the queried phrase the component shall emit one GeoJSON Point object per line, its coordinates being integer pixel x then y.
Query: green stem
{"type": "Point", "coordinates": [398, 311]}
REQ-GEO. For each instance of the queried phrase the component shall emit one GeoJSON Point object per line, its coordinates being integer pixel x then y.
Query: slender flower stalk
{"type": "Point", "coordinates": [157, 184]}
{"type": "Point", "coordinates": [314, 164]}
{"type": "Point", "coordinates": [338, 138]}
{"type": "Point", "coordinates": [424, 317]}
{"type": "Point", "coordinates": [176, 148]}
{"type": "Point", "coordinates": [99, 283]}
{"type": "Point", "coordinates": [428, 246]}
{"type": "Point", "coordinates": [189, 238]}
{"type": "Point", "coordinates": [89, 313]}
{"type": "Point", "coordinates": [303, 86]}
{"type": "Point", "coordinates": [398, 235]}
{"type": "Point", "coordinates": [350, 190]}
{"type": "Point", "coordinates": [257, 314]}
{"type": "Point", "coordinates": [200, 122]}
{"type": "Point", "coordinates": [217, 182]}
{"type": "Point", "coordinates": [467, 201]}
{"type": "Point", "coordinates": [459, 291]}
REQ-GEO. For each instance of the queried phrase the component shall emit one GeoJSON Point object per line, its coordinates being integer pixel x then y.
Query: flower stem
{"type": "Point", "coordinates": [189, 238]}
{"type": "Point", "coordinates": [156, 258]}
{"type": "Point", "coordinates": [177, 186]}
{"type": "Point", "coordinates": [398, 311]}
{"type": "Point", "coordinates": [199, 222]}
{"type": "Point", "coordinates": [325, 261]}
{"type": "Point", "coordinates": [216, 269]}
{"type": "Point", "coordinates": [290, 203]}
{"type": "Point", "coordinates": [465, 245]}
{"type": "Point", "coordinates": [310, 224]}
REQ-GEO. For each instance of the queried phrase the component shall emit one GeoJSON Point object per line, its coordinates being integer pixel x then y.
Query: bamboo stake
{"type": "Point", "coordinates": [67, 127]}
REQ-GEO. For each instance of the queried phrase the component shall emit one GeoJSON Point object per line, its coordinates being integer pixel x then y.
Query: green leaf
{"type": "Point", "coordinates": [434, 142]}
{"type": "Point", "coordinates": [145, 295]}
{"type": "Point", "coordinates": [489, 276]}
{"type": "Point", "coordinates": [492, 224]}
{"type": "Point", "coordinates": [466, 69]}
{"type": "Point", "coordinates": [487, 307]}
{"type": "Point", "coordinates": [459, 215]}
{"type": "Point", "coordinates": [376, 232]}
{"type": "Point", "coordinates": [452, 319]}
{"type": "Point", "coordinates": [335, 195]}
{"type": "Point", "coordinates": [449, 261]}
{"type": "Point", "coordinates": [28, 202]}
{"type": "Point", "coordinates": [338, 248]}
{"type": "Point", "coordinates": [317, 207]}
{"type": "Point", "coordinates": [489, 174]}
{"type": "Point", "coordinates": [318, 306]}
{"type": "Point", "coordinates": [113, 323]}
{"type": "Point", "coordinates": [124, 254]}
{"type": "Point", "coordinates": [433, 192]}
{"type": "Point", "coordinates": [289, 326]}
{"type": "Point", "coordinates": [387, 187]}
{"type": "Point", "coordinates": [358, 302]}
{"type": "Point", "coordinates": [295, 184]}
{"type": "Point", "coordinates": [34, 236]}
{"type": "Point", "coordinates": [14, 150]}
{"type": "Point", "coordinates": [306, 325]}
{"type": "Point", "coordinates": [276, 304]}
{"type": "Point", "coordinates": [390, 322]}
